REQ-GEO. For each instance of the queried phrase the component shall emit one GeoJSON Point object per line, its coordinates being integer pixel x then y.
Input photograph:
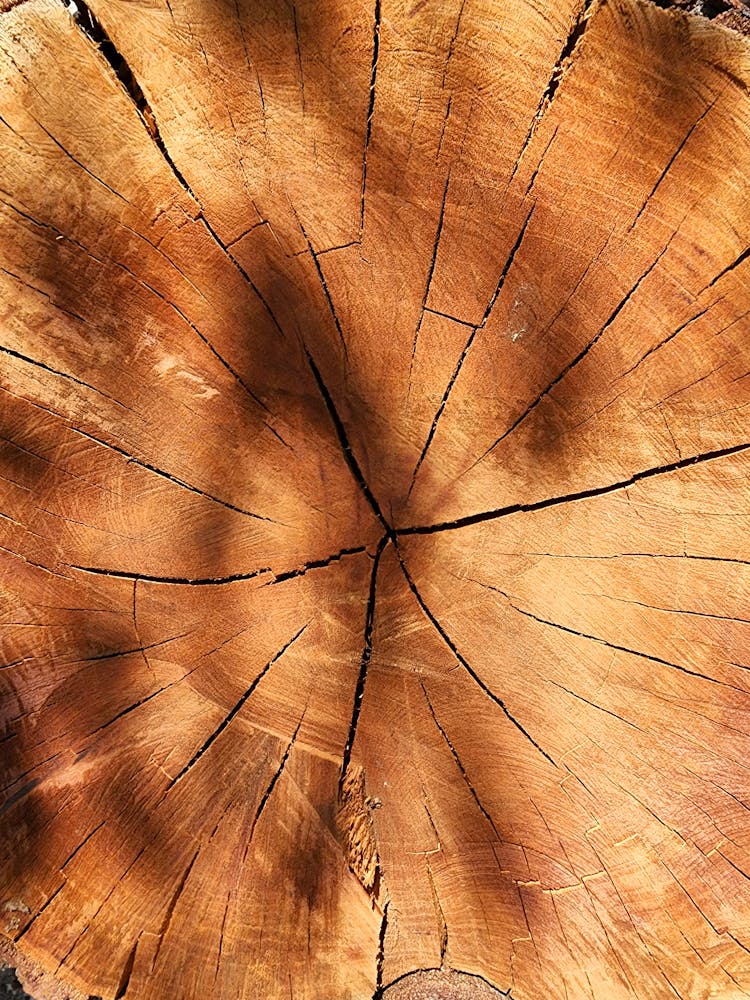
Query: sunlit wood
{"type": "Point", "coordinates": [375, 583]}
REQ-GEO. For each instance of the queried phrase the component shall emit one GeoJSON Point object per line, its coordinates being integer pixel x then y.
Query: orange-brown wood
{"type": "Point", "coordinates": [374, 581]}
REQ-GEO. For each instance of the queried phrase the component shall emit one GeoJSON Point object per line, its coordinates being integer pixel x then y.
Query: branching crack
{"type": "Point", "coordinates": [467, 347]}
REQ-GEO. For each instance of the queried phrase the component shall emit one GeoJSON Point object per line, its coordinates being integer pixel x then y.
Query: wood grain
{"type": "Point", "coordinates": [374, 557]}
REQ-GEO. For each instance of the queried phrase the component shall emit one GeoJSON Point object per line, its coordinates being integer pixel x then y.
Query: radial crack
{"type": "Point", "coordinates": [615, 646]}
{"type": "Point", "coordinates": [577, 29]}
{"type": "Point", "coordinates": [172, 904]}
{"type": "Point", "coordinates": [54, 371]}
{"type": "Point", "coordinates": [326, 292]}
{"type": "Point", "coordinates": [459, 765]}
{"type": "Point", "coordinates": [346, 448]}
{"type": "Point", "coordinates": [467, 347]}
{"type": "Point", "coordinates": [430, 273]}
{"type": "Point", "coordinates": [127, 971]}
{"type": "Point", "coordinates": [95, 32]}
{"type": "Point", "coordinates": [380, 960]}
{"type": "Point", "coordinates": [439, 914]}
{"type": "Point", "coordinates": [452, 43]}
{"type": "Point", "coordinates": [316, 564]}
{"type": "Point", "coordinates": [465, 664]}
{"type": "Point", "coordinates": [206, 581]}
{"type": "Point", "coordinates": [671, 160]}
{"type": "Point", "coordinates": [364, 665]}
{"type": "Point", "coordinates": [576, 360]}
{"type": "Point", "coordinates": [272, 783]}
{"type": "Point", "coordinates": [491, 515]}
{"type": "Point", "coordinates": [174, 479]}
{"type": "Point", "coordinates": [231, 715]}
{"type": "Point", "coordinates": [370, 110]}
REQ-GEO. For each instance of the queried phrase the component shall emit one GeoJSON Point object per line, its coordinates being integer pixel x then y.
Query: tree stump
{"type": "Point", "coordinates": [374, 514]}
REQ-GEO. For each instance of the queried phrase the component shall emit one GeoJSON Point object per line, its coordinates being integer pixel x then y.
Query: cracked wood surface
{"type": "Point", "coordinates": [375, 461]}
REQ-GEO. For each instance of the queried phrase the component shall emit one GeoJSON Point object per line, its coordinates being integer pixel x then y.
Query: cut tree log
{"type": "Point", "coordinates": [375, 502]}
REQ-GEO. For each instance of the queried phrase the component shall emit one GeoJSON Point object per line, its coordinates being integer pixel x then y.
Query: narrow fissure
{"type": "Point", "coordinates": [316, 564]}
{"type": "Point", "coordinates": [217, 581]}
{"type": "Point", "coordinates": [381, 953]}
{"type": "Point", "coordinates": [669, 163]}
{"type": "Point", "coordinates": [326, 292]}
{"type": "Point", "coordinates": [439, 914]}
{"type": "Point", "coordinates": [127, 971]}
{"type": "Point", "coordinates": [370, 110]}
{"type": "Point", "coordinates": [206, 581]}
{"type": "Point", "coordinates": [459, 764]}
{"type": "Point", "coordinates": [464, 662]}
{"type": "Point", "coordinates": [50, 899]}
{"type": "Point", "coordinates": [277, 774]}
{"type": "Point", "coordinates": [94, 31]}
{"type": "Point", "coordinates": [231, 715]}
{"type": "Point", "coordinates": [53, 371]}
{"type": "Point", "coordinates": [173, 479]}
{"type": "Point", "coordinates": [436, 244]}
{"type": "Point", "coordinates": [578, 358]}
{"type": "Point", "coordinates": [135, 705]}
{"type": "Point", "coordinates": [359, 689]}
{"type": "Point", "coordinates": [172, 904]}
{"type": "Point", "coordinates": [80, 846]}
{"type": "Point", "coordinates": [346, 448]}
{"type": "Point", "coordinates": [428, 282]}
{"type": "Point", "coordinates": [452, 43]}
{"type": "Point", "coordinates": [579, 25]}
{"type": "Point", "coordinates": [491, 515]}
{"type": "Point", "coordinates": [467, 347]}
{"type": "Point", "coordinates": [615, 646]}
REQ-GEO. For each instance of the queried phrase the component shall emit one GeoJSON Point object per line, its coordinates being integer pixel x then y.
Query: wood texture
{"type": "Point", "coordinates": [374, 509]}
